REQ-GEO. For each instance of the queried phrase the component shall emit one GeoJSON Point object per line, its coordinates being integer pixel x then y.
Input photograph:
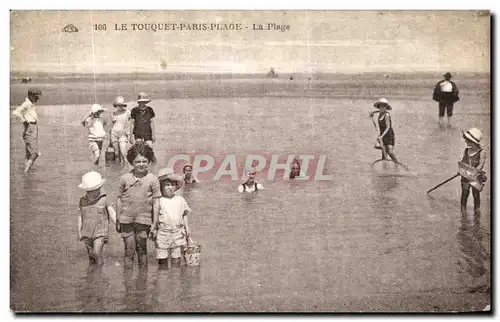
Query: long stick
{"type": "Point", "coordinates": [442, 183]}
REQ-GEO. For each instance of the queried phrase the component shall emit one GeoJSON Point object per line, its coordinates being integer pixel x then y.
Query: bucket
{"type": "Point", "coordinates": [109, 155]}
{"type": "Point", "coordinates": [192, 254]}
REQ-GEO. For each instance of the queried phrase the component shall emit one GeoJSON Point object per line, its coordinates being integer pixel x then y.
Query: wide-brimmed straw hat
{"type": "Point", "coordinates": [143, 97]}
{"type": "Point", "coordinates": [91, 181]}
{"type": "Point", "coordinates": [382, 101]}
{"type": "Point", "coordinates": [474, 135]}
{"type": "Point", "coordinates": [119, 101]}
{"type": "Point", "coordinates": [96, 108]}
{"type": "Point", "coordinates": [169, 174]}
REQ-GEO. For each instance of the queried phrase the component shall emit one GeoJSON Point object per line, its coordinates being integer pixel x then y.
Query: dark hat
{"type": "Point", "coordinates": [447, 75]}
{"type": "Point", "coordinates": [34, 91]}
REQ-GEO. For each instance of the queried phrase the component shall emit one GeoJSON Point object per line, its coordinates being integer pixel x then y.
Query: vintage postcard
{"type": "Point", "coordinates": [250, 161]}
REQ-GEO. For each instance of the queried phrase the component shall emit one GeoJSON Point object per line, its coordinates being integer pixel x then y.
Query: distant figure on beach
{"type": "Point", "coordinates": [119, 134]}
{"type": "Point", "coordinates": [387, 136]}
{"type": "Point", "coordinates": [446, 93]}
{"type": "Point", "coordinates": [172, 231]}
{"type": "Point", "coordinates": [250, 185]}
{"type": "Point", "coordinates": [142, 122]}
{"type": "Point", "coordinates": [272, 73]}
{"type": "Point", "coordinates": [26, 113]}
{"type": "Point", "coordinates": [137, 204]}
{"type": "Point", "coordinates": [95, 214]}
{"type": "Point", "coordinates": [475, 157]}
{"type": "Point", "coordinates": [97, 131]}
{"type": "Point", "coordinates": [26, 80]}
{"type": "Point", "coordinates": [189, 177]}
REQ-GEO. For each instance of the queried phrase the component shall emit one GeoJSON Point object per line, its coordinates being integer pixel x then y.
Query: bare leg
{"type": "Point", "coordinates": [129, 250]}
{"type": "Point", "coordinates": [30, 162]}
{"type": "Point", "coordinates": [176, 262]}
{"type": "Point", "coordinates": [98, 247]}
{"type": "Point", "coordinates": [390, 151]}
{"type": "Point", "coordinates": [123, 151]}
{"type": "Point", "coordinates": [465, 196]}
{"type": "Point", "coordinates": [477, 200]}
{"type": "Point", "coordinates": [163, 263]}
{"type": "Point", "coordinates": [142, 249]}
{"type": "Point", "coordinates": [117, 151]}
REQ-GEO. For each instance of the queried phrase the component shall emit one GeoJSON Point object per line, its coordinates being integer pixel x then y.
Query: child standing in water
{"type": "Point", "coordinates": [173, 228]}
{"type": "Point", "coordinates": [474, 156]}
{"type": "Point", "coordinates": [142, 122]}
{"type": "Point", "coordinates": [97, 132]}
{"type": "Point", "coordinates": [119, 134]}
{"type": "Point", "coordinates": [250, 185]}
{"type": "Point", "coordinates": [95, 214]}
{"type": "Point", "coordinates": [137, 204]}
{"type": "Point", "coordinates": [387, 136]}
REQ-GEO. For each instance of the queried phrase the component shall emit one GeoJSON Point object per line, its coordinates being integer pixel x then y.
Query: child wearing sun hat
{"type": "Point", "coordinates": [473, 158]}
{"type": "Point", "coordinates": [95, 213]}
{"type": "Point", "coordinates": [172, 232]}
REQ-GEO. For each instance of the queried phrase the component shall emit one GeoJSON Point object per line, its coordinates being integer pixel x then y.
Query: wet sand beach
{"type": "Point", "coordinates": [360, 242]}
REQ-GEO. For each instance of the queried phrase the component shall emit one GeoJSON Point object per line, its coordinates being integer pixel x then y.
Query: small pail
{"type": "Point", "coordinates": [192, 254]}
{"type": "Point", "coordinates": [109, 155]}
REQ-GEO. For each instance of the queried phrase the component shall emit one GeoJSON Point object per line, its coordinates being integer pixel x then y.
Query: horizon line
{"type": "Point", "coordinates": [245, 73]}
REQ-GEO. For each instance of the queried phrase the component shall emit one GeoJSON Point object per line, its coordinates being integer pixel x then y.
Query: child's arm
{"type": "Point", "coordinates": [186, 222]}
{"type": "Point", "coordinates": [112, 214]}
{"type": "Point", "coordinates": [86, 120]}
{"type": "Point", "coordinates": [240, 188]}
{"type": "Point", "coordinates": [260, 187]}
{"type": "Point", "coordinates": [373, 113]}
{"type": "Point", "coordinates": [152, 130]}
{"type": "Point", "coordinates": [156, 210]}
{"type": "Point", "coordinates": [79, 227]}
{"type": "Point", "coordinates": [131, 131]}
{"type": "Point", "coordinates": [482, 160]}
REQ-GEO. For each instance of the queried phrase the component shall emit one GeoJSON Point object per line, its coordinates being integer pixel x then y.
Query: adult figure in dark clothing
{"type": "Point", "coordinates": [446, 94]}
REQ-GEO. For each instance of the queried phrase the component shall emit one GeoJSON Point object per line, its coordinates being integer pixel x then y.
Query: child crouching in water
{"type": "Point", "coordinates": [95, 213]}
{"type": "Point", "coordinates": [173, 228]}
{"type": "Point", "coordinates": [137, 204]}
{"type": "Point", "coordinates": [250, 185]}
{"type": "Point", "coordinates": [475, 157]}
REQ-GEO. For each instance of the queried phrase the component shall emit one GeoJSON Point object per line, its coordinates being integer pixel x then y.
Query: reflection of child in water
{"type": "Point", "coordinates": [250, 185]}
{"type": "Point", "coordinates": [474, 156]}
{"type": "Point", "coordinates": [95, 213]}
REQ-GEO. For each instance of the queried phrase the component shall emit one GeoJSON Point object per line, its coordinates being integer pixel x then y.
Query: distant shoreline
{"type": "Point", "coordinates": [244, 75]}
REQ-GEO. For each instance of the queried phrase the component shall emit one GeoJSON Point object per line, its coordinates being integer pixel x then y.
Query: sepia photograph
{"type": "Point", "coordinates": [250, 161]}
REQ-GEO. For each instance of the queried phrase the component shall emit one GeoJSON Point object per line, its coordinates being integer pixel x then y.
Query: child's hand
{"type": "Point", "coordinates": [132, 140]}
{"type": "Point", "coordinates": [118, 227]}
{"type": "Point", "coordinates": [152, 233]}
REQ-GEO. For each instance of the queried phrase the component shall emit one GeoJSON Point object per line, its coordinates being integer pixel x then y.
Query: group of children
{"type": "Point", "coordinates": [146, 207]}
{"type": "Point", "coordinates": [128, 126]}
{"type": "Point", "coordinates": [473, 156]}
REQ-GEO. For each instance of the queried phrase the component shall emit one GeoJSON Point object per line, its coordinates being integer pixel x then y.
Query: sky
{"type": "Point", "coordinates": [317, 41]}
